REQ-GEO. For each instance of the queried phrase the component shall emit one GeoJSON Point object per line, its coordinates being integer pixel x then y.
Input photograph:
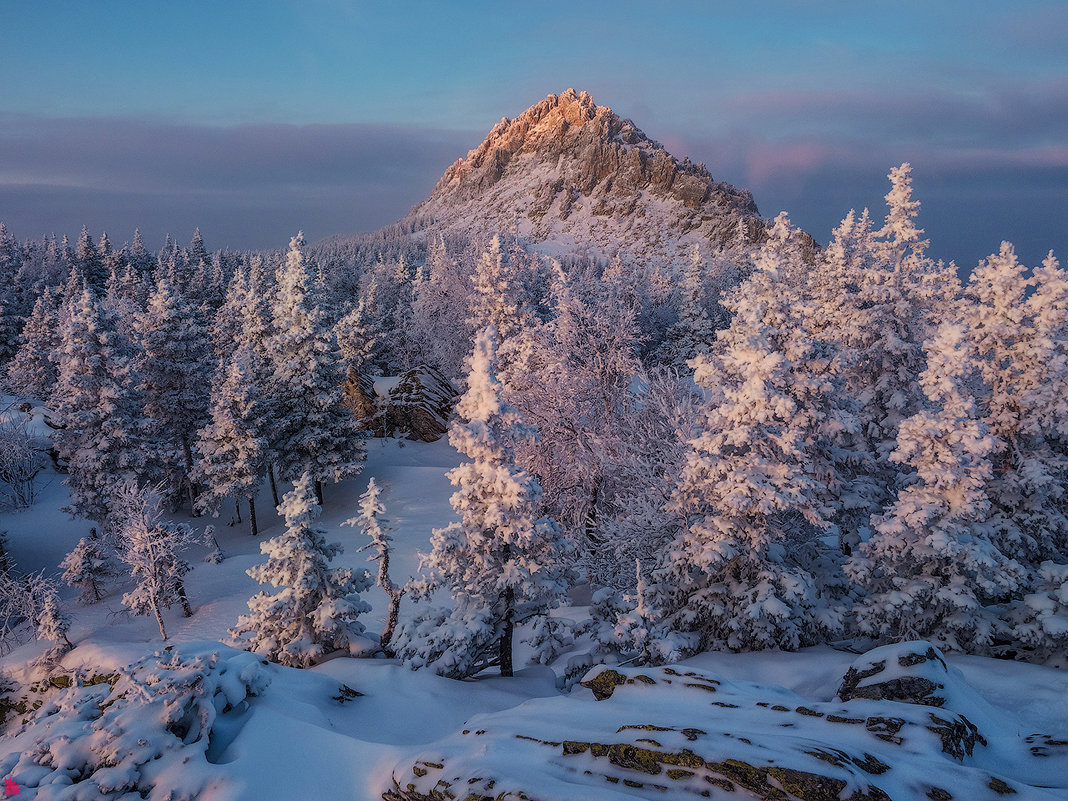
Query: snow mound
{"type": "Point", "coordinates": [676, 733]}
{"type": "Point", "coordinates": [149, 730]}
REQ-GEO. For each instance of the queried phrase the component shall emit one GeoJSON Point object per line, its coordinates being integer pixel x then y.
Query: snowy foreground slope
{"type": "Point", "coordinates": [202, 720]}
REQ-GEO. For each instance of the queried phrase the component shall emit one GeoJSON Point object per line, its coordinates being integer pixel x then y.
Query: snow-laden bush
{"type": "Point", "coordinates": [1040, 620]}
{"type": "Point", "coordinates": [20, 462]}
{"type": "Point", "coordinates": [143, 735]}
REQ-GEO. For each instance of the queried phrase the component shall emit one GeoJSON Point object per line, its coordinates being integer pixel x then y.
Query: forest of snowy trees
{"type": "Point", "coordinates": [771, 448]}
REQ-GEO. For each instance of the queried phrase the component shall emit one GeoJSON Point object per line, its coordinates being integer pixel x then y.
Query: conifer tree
{"type": "Point", "coordinates": [32, 372]}
{"type": "Point", "coordinates": [314, 431]}
{"type": "Point", "coordinates": [89, 567]}
{"type": "Point", "coordinates": [501, 559]}
{"type": "Point", "coordinates": [11, 307]}
{"type": "Point", "coordinates": [370, 523]}
{"type": "Point", "coordinates": [315, 609]}
{"type": "Point", "coordinates": [233, 453]}
{"type": "Point", "coordinates": [89, 262]}
{"type": "Point", "coordinates": [40, 604]}
{"type": "Point", "coordinates": [693, 332]}
{"type": "Point", "coordinates": [1021, 359]}
{"type": "Point", "coordinates": [931, 569]}
{"type": "Point", "coordinates": [439, 325]}
{"type": "Point", "coordinates": [97, 402]}
{"type": "Point", "coordinates": [175, 369]}
{"type": "Point", "coordinates": [757, 472]}
{"type": "Point", "coordinates": [497, 297]}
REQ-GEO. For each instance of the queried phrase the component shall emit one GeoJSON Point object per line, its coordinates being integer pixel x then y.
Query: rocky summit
{"type": "Point", "coordinates": [568, 175]}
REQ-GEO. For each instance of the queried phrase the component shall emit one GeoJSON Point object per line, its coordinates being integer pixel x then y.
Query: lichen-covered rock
{"type": "Point", "coordinates": [911, 672]}
{"type": "Point", "coordinates": [418, 407]}
{"type": "Point", "coordinates": [677, 733]}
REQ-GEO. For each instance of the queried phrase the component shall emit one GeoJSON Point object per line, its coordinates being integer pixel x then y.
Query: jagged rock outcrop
{"type": "Point", "coordinates": [418, 407]}
{"type": "Point", "coordinates": [568, 175]}
{"type": "Point", "coordinates": [677, 733]}
{"type": "Point", "coordinates": [358, 392]}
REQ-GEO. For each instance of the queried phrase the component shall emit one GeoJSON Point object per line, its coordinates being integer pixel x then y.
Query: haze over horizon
{"type": "Point", "coordinates": [253, 120]}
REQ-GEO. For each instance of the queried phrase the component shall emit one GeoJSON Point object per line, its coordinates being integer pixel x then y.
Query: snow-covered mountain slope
{"type": "Point", "coordinates": [569, 176]}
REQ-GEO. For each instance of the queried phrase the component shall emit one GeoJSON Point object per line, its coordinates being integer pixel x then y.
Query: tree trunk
{"type": "Point", "coordinates": [183, 599]}
{"type": "Point", "coordinates": [237, 506]}
{"type": "Point", "coordinates": [159, 620]}
{"type": "Point", "coordinates": [252, 516]}
{"type": "Point", "coordinates": [319, 492]}
{"type": "Point", "coordinates": [391, 618]}
{"type": "Point", "coordinates": [506, 634]}
{"type": "Point", "coordinates": [187, 453]}
{"type": "Point", "coordinates": [274, 487]}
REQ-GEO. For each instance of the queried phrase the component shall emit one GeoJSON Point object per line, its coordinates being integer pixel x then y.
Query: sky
{"type": "Point", "coordinates": [254, 119]}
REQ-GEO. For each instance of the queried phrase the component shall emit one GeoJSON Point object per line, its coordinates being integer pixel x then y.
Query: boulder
{"type": "Point", "coordinates": [418, 407]}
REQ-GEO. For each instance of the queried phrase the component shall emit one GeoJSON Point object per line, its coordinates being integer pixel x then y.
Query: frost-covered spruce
{"type": "Point", "coordinates": [152, 548]}
{"type": "Point", "coordinates": [497, 299]}
{"type": "Point", "coordinates": [370, 522]}
{"type": "Point", "coordinates": [32, 371]}
{"type": "Point", "coordinates": [693, 332]}
{"type": "Point", "coordinates": [756, 475]}
{"type": "Point", "coordinates": [89, 567]}
{"type": "Point", "coordinates": [315, 609]}
{"type": "Point", "coordinates": [931, 569]}
{"type": "Point", "coordinates": [501, 560]}
{"type": "Point", "coordinates": [233, 454]}
{"type": "Point", "coordinates": [176, 375]}
{"type": "Point", "coordinates": [1018, 327]}
{"type": "Point", "coordinates": [98, 404]}
{"type": "Point", "coordinates": [315, 432]}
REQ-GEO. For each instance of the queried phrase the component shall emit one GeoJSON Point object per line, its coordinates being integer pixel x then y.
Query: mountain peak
{"type": "Point", "coordinates": [569, 174]}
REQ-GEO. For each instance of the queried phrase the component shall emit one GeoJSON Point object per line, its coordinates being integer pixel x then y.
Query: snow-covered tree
{"type": "Point", "coordinates": [931, 569]}
{"type": "Point", "coordinates": [98, 404]}
{"type": "Point", "coordinates": [497, 299]}
{"type": "Point", "coordinates": [152, 549]}
{"type": "Point", "coordinates": [34, 598]}
{"type": "Point", "coordinates": [89, 262]}
{"type": "Point", "coordinates": [693, 332]}
{"type": "Point", "coordinates": [757, 476]}
{"type": "Point", "coordinates": [233, 452]}
{"type": "Point", "coordinates": [1039, 620]}
{"type": "Point", "coordinates": [176, 369]}
{"type": "Point", "coordinates": [370, 522]}
{"type": "Point", "coordinates": [89, 567]}
{"type": "Point", "coordinates": [356, 334]}
{"type": "Point", "coordinates": [32, 371]}
{"type": "Point", "coordinates": [314, 432]}
{"type": "Point", "coordinates": [1017, 326]}
{"type": "Point", "coordinates": [316, 607]}
{"type": "Point", "coordinates": [439, 328]}
{"type": "Point", "coordinates": [501, 562]}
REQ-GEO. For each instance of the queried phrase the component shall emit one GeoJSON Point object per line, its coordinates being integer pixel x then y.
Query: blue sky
{"type": "Point", "coordinates": [254, 119]}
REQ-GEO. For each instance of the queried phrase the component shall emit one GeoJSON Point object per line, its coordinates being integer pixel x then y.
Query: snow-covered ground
{"type": "Point", "coordinates": [296, 740]}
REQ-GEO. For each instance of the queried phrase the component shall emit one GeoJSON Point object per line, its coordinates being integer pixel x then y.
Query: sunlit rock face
{"type": "Point", "coordinates": [568, 175]}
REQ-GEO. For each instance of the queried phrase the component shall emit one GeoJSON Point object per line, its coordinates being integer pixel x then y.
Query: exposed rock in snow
{"type": "Point", "coordinates": [568, 175]}
{"type": "Point", "coordinates": [678, 733]}
{"type": "Point", "coordinates": [418, 407]}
